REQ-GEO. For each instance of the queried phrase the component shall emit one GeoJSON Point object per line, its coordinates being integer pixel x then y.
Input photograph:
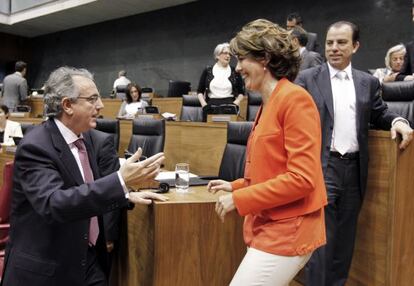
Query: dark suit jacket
{"type": "Point", "coordinates": [370, 108]}
{"type": "Point", "coordinates": [313, 44]}
{"type": "Point", "coordinates": [310, 59]}
{"type": "Point", "coordinates": [51, 210]}
{"type": "Point", "coordinates": [408, 66]}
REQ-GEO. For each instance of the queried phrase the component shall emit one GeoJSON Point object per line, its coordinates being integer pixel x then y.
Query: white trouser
{"type": "Point", "coordinates": [260, 268]}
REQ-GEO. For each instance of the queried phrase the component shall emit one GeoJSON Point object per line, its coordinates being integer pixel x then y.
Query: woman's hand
{"type": "Point", "coordinates": [224, 205]}
{"type": "Point", "coordinates": [219, 185]}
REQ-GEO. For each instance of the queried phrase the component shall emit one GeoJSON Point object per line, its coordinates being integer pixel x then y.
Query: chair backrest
{"type": "Point", "coordinates": [110, 126]}
{"type": "Point", "coordinates": [234, 156]}
{"type": "Point", "coordinates": [399, 97]}
{"type": "Point", "coordinates": [149, 134]}
{"type": "Point", "coordinates": [26, 127]}
{"type": "Point", "coordinates": [254, 100]}
{"type": "Point", "coordinates": [120, 91]}
{"type": "Point", "coordinates": [5, 193]}
{"type": "Point", "coordinates": [151, 110]}
{"type": "Point", "coordinates": [191, 109]}
{"type": "Point", "coordinates": [178, 88]}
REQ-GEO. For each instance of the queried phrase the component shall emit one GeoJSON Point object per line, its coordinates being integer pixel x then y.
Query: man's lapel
{"type": "Point", "coordinates": [323, 82]}
{"type": "Point", "coordinates": [65, 154]}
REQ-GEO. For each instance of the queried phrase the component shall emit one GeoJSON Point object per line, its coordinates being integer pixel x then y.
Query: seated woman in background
{"type": "Point", "coordinates": [282, 194]}
{"type": "Point", "coordinates": [133, 102]}
{"type": "Point", "coordinates": [394, 60]}
{"type": "Point", "coordinates": [220, 84]}
{"type": "Point", "coordinates": [8, 128]}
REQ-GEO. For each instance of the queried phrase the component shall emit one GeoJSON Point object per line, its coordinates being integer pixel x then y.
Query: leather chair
{"type": "Point", "coordinates": [26, 127]}
{"type": "Point", "coordinates": [234, 156]}
{"type": "Point", "coordinates": [178, 88]}
{"type": "Point", "coordinates": [254, 101]}
{"type": "Point", "coordinates": [149, 134]}
{"type": "Point", "coordinates": [120, 92]}
{"type": "Point", "coordinates": [110, 126]}
{"type": "Point", "coordinates": [191, 109]}
{"type": "Point", "coordinates": [399, 97]}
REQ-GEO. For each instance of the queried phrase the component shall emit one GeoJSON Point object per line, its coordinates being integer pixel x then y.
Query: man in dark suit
{"type": "Point", "coordinates": [15, 86]}
{"type": "Point", "coordinates": [293, 20]}
{"type": "Point", "coordinates": [58, 195]}
{"type": "Point", "coordinates": [309, 59]}
{"type": "Point", "coordinates": [347, 100]}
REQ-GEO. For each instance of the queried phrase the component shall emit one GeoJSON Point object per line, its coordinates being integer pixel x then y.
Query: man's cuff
{"type": "Point", "coordinates": [126, 191]}
{"type": "Point", "coordinates": [400, 119]}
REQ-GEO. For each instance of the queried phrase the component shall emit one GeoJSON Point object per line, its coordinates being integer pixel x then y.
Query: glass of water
{"type": "Point", "coordinates": [182, 177]}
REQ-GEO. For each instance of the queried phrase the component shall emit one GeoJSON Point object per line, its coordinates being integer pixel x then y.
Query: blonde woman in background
{"type": "Point", "coordinates": [394, 60]}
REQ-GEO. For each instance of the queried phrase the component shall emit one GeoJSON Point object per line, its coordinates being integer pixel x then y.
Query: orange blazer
{"type": "Point", "coordinates": [283, 174]}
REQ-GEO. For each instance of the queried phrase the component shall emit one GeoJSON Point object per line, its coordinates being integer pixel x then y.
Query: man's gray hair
{"type": "Point", "coordinates": [60, 84]}
{"type": "Point", "coordinates": [220, 48]}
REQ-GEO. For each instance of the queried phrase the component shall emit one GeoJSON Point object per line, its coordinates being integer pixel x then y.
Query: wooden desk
{"type": "Point", "coordinates": [111, 107]}
{"type": "Point", "coordinates": [37, 106]}
{"type": "Point", "coordinates": [180, 242]}
{"type": "Point", "coordinates": [384, 253]}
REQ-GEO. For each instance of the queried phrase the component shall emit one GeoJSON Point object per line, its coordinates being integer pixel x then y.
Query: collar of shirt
{"type": "Point", "coordinates": [19, 73]}
{"type": "Point", "coordinates": [301, 50]}
{"type": "Point", "coordinates": [333, 71]}
{"type": "Point", "coordinates": [67, 134]}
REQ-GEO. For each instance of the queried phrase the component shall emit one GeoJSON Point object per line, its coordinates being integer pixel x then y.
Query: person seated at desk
{"type": "Point", "coordinates": [8, 128]}
{"type": "Point", "coordinates": [394, 60]}
{"type": "Point", "coordinates": [220, 84]}
{"type": "Point", "coordinates": [133, 103]}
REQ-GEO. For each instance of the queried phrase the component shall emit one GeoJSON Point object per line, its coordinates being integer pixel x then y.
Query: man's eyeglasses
{"type": "Point", "coordinates": [91, 99]}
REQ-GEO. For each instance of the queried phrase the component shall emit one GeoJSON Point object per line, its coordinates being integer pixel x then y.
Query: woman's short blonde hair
{"type": "Point", "coordinates": [220, 48]}
{"type": "Point", "coordinates": [397, 48]}
{"type": "Point", "coordinates": [264, 40]}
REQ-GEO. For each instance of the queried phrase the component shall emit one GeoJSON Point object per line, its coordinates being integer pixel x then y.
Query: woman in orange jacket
{"type": "Point", "coordinates": [282, 193]}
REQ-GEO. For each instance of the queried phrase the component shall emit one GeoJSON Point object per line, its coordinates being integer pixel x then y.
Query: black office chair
{"type": "Point", "coordinates": [399, 97]}
{"type": "Point", "coordinates": [151, 110]}
{"type": "Point", "coordinates": [178, 88]}
{"type": "Point", "coordinates": [191, 109]}
{"type": "Point", "coordinates": [254, 101]}
{"type": "Point", "coordinates": [234, 156]}
{"type": "Point", "coordinates": [120, 91]}
{"type": "Point", "coordinates": [110, 126]}
{"type": "Point", "coordinates": [26, 127]}
{"type": "Point", "coordinates": [149, 134]}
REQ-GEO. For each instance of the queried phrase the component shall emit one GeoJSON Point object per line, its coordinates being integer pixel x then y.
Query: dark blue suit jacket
{"type": "Point", "coordinates": [370, 108]}
{"type": "Point", "coordinates": [51, 210]}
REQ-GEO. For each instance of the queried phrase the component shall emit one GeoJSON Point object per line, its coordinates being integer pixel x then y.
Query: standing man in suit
{"type": "Point", "coordinates": [309, 59]}
{"type": "Point", "coordinates": [15, 86]}
{"type": "Point", "coordinates": [294, 20]}
{"type": "Point", "coordinates": [58, 195]}
{"type": "Point", "coordinates": [348, 100]}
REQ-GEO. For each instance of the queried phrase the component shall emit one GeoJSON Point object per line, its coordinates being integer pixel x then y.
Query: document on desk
{"type": "Point", "coordinates": [169, 178]}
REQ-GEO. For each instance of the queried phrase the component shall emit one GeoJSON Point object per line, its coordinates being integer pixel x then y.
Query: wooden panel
{"type": "Point", "coordinates": [168, 104]}
{"type": "Point", "coordinates": [37, 107]}
{"type": "Point", "coordinates": [111, 107]}
{"type": "Point", "coordinates": [199, 144]}
{"type": "Point", "coordinates": [165, 251]}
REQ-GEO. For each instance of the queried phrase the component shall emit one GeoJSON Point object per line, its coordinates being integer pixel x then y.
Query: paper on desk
{"type": "Point", "coordinates": [168, 115]}
{"type": "Point", "coordinates": [170, 175]}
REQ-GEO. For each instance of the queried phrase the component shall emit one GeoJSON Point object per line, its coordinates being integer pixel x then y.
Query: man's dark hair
{"type": "Point", "coordinates": [354, 28]}
{"type": "Point", "coordinates": [295, 16]}
{"type": "Point", "coordinates": [20, 66]}
{"type": "Point", "coordinates": [300, 34]}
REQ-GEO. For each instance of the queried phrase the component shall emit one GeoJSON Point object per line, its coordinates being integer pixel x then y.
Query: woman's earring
{"type": "Point", "coordinates": [264, 68]}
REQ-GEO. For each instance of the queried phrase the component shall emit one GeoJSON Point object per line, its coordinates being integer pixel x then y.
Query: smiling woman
{"type": "Point", "coordinates": [282, 194]}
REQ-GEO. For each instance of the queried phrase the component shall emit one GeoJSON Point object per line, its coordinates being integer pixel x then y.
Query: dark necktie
{"type": "Point", "coordinates": [87, 172]}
